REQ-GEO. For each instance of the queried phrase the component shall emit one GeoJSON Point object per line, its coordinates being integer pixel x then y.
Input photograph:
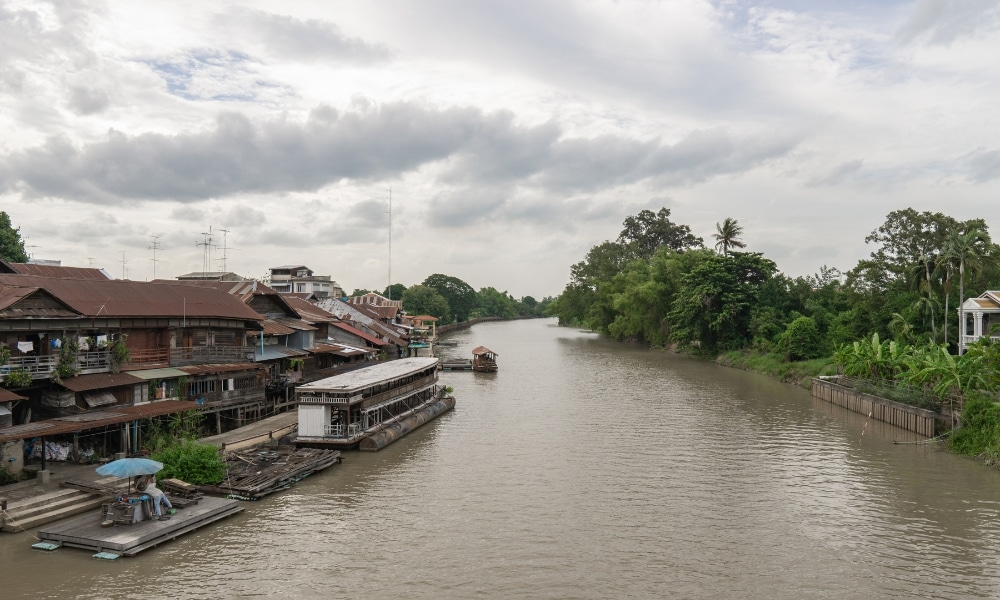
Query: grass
{"type": "Point", "coordinates": [774, 364]}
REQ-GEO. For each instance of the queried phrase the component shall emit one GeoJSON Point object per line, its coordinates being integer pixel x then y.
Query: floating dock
{"type": "Point", "coordinates": [458, 364]}
{"type": "Point", "coordinates": [253, 474]}
{"type": "Point", "coordinates": [85, 531]}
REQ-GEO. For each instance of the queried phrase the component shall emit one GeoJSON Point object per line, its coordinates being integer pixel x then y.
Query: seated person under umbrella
{"type": "Point", "coordinates": [147, 485]}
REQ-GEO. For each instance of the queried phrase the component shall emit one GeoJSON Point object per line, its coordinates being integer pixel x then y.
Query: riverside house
{"type": "Point", "coordinates": [981, 315]}
{"type": "Point", "coordinates": [88, 357]}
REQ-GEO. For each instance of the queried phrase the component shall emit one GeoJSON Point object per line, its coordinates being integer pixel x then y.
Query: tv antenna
{"type": "Point", "coordinates": [31, 252]}
{"type": "Point", "coordinates": [124, 263]}
{"type": "Point", "coordinates": [90, 261]}
{"type": "Point", "coordinates": [225, 248]}
{"type": "Point", "coordinates": [206, 258]}
{"type": "Point", "coordinates": [154, 246]}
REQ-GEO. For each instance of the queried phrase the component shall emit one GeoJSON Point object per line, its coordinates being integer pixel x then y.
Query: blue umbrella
{"type": "Point", "coordinates": [130, 467]}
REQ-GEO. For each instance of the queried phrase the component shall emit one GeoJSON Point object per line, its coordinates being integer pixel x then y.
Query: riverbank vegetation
{"type": "Point", "coordinates": [892, 320]}
{"type": "Point", "coordinates": [452, 300]}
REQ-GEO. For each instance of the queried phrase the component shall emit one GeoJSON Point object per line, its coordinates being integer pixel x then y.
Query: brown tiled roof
{"type": "Point", "coordinates": [95, 419]}
{"type": "Point", "coordinates": [123, 298]}
{"type": "Point", "coordinates": [98, 381]}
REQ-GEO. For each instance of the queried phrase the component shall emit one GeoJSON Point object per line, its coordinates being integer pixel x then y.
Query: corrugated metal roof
{"type": "Point", "coordinates": [361, 334]}
{"type": "Point", "coordinates": [272, 327]}
{"type": "Point", "coordinates": [118, 414]}
{"type": "Point", "coordinates": [276, 352]}
{"type": "Point", "coordinates": [307, 310]}
{"type": "Point", "coordinates": [10, 295]}
{"type": "Point", "coordinates": [483, 350]}
{"type": "Point", "coordinates": [60, 271]}
{"type": "Point", "coordinates": [97, 381]}
{"type": "Point", "coordinates": [164, 373]}
{"type": "Point", "coordinates": [9, 396]}
{"type": "Point", "coordinates": [219, 368]}
{"type": "Point", "coordinates": [297, 324]}
{"type": "Point", "coordinates": [122, 298]}
{"type": "Point", "coordinates": [338, 349]}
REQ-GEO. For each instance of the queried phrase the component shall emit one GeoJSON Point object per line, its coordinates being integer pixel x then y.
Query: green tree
{"type": "Point", "coordinates": [803, 340]}
{"type": "Point", "coordinates": [461, 298]}
{"type": "Point", "coordinates": [714, 306]}
{"type": "Point", "coordinates": [394, 291]}
{"type": "Point", "coordinates": [494, 303]}
{"type": "Point", "coordinates": [728, 235]}
{"type": "Point", "coordinates": [425, 300]}
{"type": "Point", "coordinates": [11, 244]}
{"type": "Point", "coordinates": [644, 233]}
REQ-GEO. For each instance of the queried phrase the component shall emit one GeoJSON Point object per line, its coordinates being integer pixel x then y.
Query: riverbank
{"type": "Point", "coordinates": [800, 373]}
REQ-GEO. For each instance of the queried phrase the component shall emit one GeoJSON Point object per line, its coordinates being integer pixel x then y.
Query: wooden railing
{"type": "Point", "coordinates": [149, 358]}
{"type": "Point", "coordinates": [193, 355]}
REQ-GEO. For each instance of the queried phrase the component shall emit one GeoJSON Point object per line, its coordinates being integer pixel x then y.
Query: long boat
{"type": "Point", "coordinates": [371, 407]}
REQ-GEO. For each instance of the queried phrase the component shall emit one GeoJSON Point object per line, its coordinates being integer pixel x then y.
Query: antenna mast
{"type": "Point", "coordinates": [388, 288]}
{"type": "Point", "coordinates": [124, 262]}
{"type": "Point", "coordinates": [154, 246]}
{"type": "Point", "coordinates": [206, 257]}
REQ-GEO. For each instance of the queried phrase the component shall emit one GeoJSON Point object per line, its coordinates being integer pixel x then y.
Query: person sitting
{"type": "Point", "coordinates": [159, 498]}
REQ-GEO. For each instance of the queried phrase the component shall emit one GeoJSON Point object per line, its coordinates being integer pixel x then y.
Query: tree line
{"type": "Point", "coordinates": [658, 283]}
{"type": "Point", "coordinates": [452, 300]}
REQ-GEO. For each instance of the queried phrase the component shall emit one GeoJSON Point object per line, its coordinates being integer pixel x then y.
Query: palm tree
{"type": "Point", "coordinates": [728, 236]}
{"type": "Point", "coordinates": [969, 249]}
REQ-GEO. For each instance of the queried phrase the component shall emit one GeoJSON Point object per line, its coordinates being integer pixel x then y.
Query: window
{"type": "Point", "coordinates": [198, 388]}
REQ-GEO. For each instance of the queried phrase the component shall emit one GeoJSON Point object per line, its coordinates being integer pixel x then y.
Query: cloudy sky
{"type": "Point", "coordinates": [513, 135]}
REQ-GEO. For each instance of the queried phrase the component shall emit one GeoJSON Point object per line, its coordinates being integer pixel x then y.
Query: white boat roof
{"type": "Point", "coordinates": [367, 376]}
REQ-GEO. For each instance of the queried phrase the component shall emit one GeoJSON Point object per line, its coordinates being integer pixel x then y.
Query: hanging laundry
{"type": "Point", "coordinates": [56, 343]}
{"type": "Point", "coordinates": [84, 343]}
{"type": "Point", "coordinates": [26, 346]}
{"type": "Point", "coordinates": [102, 340]}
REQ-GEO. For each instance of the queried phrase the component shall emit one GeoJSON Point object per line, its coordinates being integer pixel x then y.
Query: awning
{"type": "Point", "coordinates": [85, 383]}
{"type": "Point", "coordinates": [165, 373]}
{"type": "Point", "coordinates": [102, 398]}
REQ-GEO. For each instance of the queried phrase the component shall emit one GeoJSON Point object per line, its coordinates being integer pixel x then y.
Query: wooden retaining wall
{"type": "Point", "coordinates": [911, 418]}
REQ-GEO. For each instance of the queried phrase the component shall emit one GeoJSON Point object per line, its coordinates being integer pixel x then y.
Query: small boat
{"type": "Point", "coordinates": [484, 360]}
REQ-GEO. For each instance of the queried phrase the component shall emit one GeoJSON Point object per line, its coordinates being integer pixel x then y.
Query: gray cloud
{"type": "Point", "coordinates": [982, 165]}
{"type": "Point", "coordinates": [840, 173]}
{"type": "Point", "coordinates": [310, 40]}
{"type": "Point", "coordinates": [88, 100]}
{"type": "Point", "coordinates": [238, 156]}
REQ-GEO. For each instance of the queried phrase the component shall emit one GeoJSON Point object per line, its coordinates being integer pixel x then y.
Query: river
{"type": "Point", "coordinates": [588, 469]}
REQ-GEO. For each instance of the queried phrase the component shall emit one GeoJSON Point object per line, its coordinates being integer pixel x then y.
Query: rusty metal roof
{"type": "Point", "coordinates": [272, 327]}
{"type": "Point", "coordinates": [9, 396]}
{"type": "Point", "coordinates": [59, 271]}
{"type": "Point", "coordinates": [98, 381]}
{"type": "Point", "coordinates": [96, 419]}
{"type": "Point", "coordinates": [10, 295]}
{"type": "Point", "coordinates": [483, 350]}
{"type": "Point", "coordinates": [361, 334]}
{"type": "Point", "coordinates": [307, 311]}
{"type": "Point", "coordinates": [219, 368]}
{"type": "Point", "coordinates": [297, 324]}
{"type": "Point", "coordinates": [123, 298]}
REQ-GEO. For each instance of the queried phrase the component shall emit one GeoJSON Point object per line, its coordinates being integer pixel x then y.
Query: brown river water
{"type": "Point", "coordinates": [588, 469]}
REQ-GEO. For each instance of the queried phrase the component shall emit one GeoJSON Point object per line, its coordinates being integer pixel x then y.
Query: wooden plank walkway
{"type": "Point", "coordinates": [85, 531]}
{"type": "Point", "coordinates": [254, 474]}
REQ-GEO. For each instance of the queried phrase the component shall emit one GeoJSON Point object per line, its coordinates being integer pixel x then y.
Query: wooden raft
{"type": "Point", "coordinates": [254, 474]}
{"type": "Point", "coordinates": [85, 531]}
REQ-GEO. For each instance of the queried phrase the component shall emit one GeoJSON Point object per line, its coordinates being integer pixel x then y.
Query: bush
{"type": "Point", "coordinates": [980, 431]}
{"type": "Point", "coordinates": [192, 462]}
{"type": "Point", "coordinates": [802, 339]}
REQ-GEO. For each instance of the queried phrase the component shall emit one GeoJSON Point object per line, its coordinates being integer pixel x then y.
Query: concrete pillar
{"type": "Point", "coordinates": [977, 327]}
{"type": "Point", "coordinates": [44, 475]}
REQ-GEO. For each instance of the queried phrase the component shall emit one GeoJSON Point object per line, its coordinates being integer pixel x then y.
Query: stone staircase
{"type": "Point", "coordinates": [53, 506]}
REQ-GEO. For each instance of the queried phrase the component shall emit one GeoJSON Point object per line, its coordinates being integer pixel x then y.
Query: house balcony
{"type": "Point", "coordinates": [968, 340]}
{"type": "Point", "coordinates": [196, 355]}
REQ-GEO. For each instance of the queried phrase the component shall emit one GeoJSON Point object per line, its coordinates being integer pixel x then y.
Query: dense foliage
{"type": "Point", "coordinates": [11, 244]}
{"type": "Point", "coordinates": [893, 321]}
{"type": "Point", "coordinates": [450, 299]}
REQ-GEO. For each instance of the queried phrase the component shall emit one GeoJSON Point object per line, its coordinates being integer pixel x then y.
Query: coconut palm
{"type": "Point", "coordinates": [728, 235]}
{"type": "Point", "coordinates": [971, 249]}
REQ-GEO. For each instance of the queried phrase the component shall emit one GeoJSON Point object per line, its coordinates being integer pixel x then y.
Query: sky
{"type": "Point", "coordinates": [154, 139]}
